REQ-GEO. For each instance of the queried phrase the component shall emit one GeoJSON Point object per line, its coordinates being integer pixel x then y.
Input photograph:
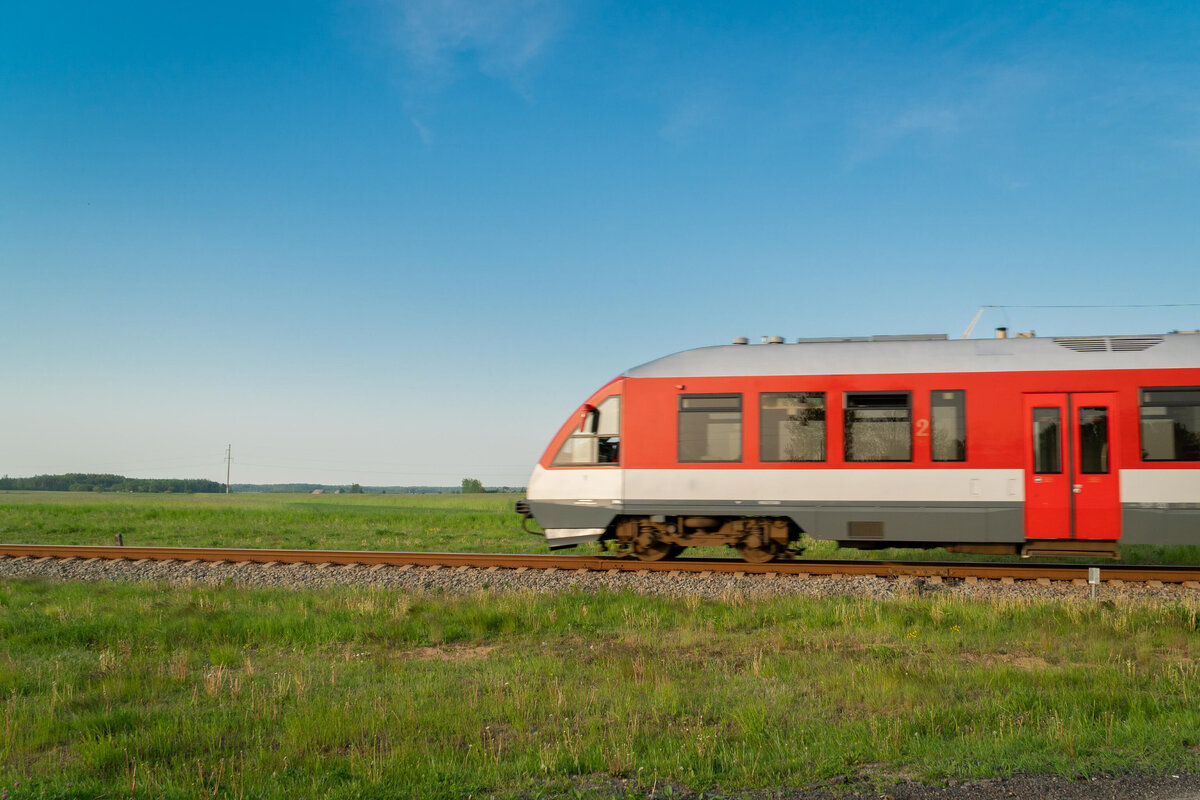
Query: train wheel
{"type": "Point", "coordinates": [759, 555]}
{"type": "Point", "coordinates": [648, 545]}
{"type": "Point", "coordinates": [657, 551]}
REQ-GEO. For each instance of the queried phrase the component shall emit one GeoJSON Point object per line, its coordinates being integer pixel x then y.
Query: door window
{"type": "Point", "coordinates": [1093, 440]}
{"type": "Point", "coordinates": [1047, 441]}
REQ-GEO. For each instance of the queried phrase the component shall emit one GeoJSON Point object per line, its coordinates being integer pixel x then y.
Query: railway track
{"type": "Point", "coordinates": [929, 570]}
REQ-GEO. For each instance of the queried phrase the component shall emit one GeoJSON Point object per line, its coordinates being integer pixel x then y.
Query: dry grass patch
{"type": "Point", "coordinates": [454, 653]}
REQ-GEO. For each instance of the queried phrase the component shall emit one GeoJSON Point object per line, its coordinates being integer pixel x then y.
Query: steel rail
{"type": "Point", "coordinates": [864, 567]}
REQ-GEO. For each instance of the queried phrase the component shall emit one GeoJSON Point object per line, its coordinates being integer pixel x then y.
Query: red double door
{"type": "Point", "coordinates": [1072, 486]}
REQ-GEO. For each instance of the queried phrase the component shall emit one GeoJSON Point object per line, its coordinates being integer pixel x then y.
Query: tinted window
{"type": "Point", "coordinates": [1093, 440]}
{"type": "Point", "coordinates": [1171, 424]}
{"type": "Point", "coordinates": [710, 427]}
{"type": "Point", "coordinates": [948, 424]}
{"type": "Point", "coordinates": [878, 426]}
{"type": "Point", "coordinates": [1047, 441]}
{"type": "Point", "coordinates": [792, 426]}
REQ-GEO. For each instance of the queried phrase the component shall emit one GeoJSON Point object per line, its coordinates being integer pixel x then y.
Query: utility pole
{"type": "Point", "coordinates": [228, 461]}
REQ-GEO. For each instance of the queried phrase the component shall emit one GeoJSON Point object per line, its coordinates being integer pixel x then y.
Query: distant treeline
{"type": "Point", "coordinates": [356, 489]}
{"type": "Point", "coordinates": [345, 488]}
{"type": "Point", "coordinates": [89, 482]}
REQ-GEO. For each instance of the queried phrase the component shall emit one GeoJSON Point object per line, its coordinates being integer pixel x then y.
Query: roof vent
{"type": "Point", "coordinates": [775, 340]}
{"type": "Point", "coordinates": [832, 339]}
{"type": "Point", "coordinates": [1126, 344]}
{"type": "Point", "coordinates": [1108, 344]}
{"type": "Point", "coordinates": [910, 337]}
{"type": "Point", "coordinates": [1084, 344]}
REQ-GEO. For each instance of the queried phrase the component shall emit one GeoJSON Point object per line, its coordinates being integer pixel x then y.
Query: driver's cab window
{"type": "Point", "coordinates": [596, 436]}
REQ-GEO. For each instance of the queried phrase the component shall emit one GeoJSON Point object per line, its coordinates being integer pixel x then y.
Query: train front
{"type": "Point", "coordinates": [575, 491]}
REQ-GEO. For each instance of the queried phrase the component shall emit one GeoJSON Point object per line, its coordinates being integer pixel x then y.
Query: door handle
{"type": "Point", "coordinates": [1077, 488]}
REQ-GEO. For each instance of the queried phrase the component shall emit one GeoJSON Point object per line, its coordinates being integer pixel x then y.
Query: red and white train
{"type": "Point", "coordinates": [1006, 445]}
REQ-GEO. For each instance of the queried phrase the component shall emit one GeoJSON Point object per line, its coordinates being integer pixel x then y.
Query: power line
{"type": "Point", "coordinates": [1118, 305]}
{"type": "Point", "coordinates": [982, 308]}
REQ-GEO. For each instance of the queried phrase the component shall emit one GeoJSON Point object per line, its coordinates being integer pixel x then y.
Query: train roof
{"type": "Point", "coordinates": [890, 355]}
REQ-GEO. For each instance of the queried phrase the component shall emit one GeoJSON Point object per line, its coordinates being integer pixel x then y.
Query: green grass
{"type": "Point", "coordinates": [152, 691]}
{"type": "Point", "coordinates": [483, 523]}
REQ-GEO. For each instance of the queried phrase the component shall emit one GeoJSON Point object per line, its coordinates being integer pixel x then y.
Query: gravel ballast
{"type": "Point", "coordinates": [669, 584]}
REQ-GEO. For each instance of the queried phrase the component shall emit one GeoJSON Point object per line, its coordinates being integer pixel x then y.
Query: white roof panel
{"type": "Point", "coordinates": [1158, 351]}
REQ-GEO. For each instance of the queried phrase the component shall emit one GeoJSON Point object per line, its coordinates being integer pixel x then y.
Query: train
{"type": "Point", "coordinates": [1020, 445]}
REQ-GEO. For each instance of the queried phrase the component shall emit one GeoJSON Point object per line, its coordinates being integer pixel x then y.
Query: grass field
{"type": "Point", "coordinates": [126, 690]}
{"type": "Point", "coordinates": [483, 523]}
{"type": "Point", "coordinates": [147, 691]}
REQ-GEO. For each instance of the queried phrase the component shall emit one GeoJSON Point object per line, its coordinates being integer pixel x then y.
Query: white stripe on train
{"type": "Point", "coordinates": [835, 485]}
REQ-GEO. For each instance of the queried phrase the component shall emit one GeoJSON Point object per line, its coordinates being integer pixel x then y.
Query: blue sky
{"type": "Point", "coordinates": [399, 242]}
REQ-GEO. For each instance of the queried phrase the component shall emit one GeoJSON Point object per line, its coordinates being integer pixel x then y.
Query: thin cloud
{"type": "Point", "coordinates": [501, 38]}
{"type": "Point", "coordinates": [1190, 147]}
{"type": "Point", "coordinates": [963, 107]}
{"type": "Point", "coordinates": [880, 133]}
{"type": "Point", "coordinates": [686, 120]}
{"type": "Point", "coordinates": [924, 120]}
{"type": "Point", "coordinates": [422, 130]}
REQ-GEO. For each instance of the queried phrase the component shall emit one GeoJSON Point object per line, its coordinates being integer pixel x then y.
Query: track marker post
{"type": "Point", "coordinates": [1093, 579]}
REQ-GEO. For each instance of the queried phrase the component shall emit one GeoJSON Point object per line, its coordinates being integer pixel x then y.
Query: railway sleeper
{"type": "Point", "coordinates": [658, 537]}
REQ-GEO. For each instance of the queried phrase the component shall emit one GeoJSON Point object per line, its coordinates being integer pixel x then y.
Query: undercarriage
{"type": "Point", "coordinates": [654, 538]}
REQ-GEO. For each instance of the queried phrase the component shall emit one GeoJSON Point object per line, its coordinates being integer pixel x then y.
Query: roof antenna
{"type": "Point", "coordinates": [971, 327]}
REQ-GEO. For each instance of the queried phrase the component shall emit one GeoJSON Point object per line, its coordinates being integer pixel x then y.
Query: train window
{"type": "Point", "coordinates": [948, 423]}
{"type": "Point", "coordinates": [878, 426]}
{"type": "Point", "coordinates": [599, 441]}
{"type": "Point", "coordinates": [1093, 440]}
{"type": "Point", "coordinates": [710, 427]}
{"type": "Point", "coordinates": [1171, 424]}
{"type": "Point", "coordinates": [792, 426]}
{"type": "Point", "coordinates": [1047, 441]}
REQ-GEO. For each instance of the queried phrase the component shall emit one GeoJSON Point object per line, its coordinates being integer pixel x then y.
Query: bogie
{"type": "Point", "coordinates": [653, 538]}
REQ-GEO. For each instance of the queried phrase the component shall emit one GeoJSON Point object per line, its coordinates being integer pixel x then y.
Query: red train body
{"type": "Point", "coordinates": [988, 445]}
